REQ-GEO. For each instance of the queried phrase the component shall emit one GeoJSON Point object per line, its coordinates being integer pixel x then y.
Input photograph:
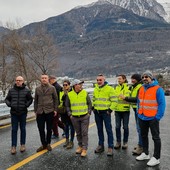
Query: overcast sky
{"type": "Point", "coordinates": [28, 11]}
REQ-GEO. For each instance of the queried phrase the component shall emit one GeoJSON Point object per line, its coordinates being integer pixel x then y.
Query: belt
{"type": "Point", "coordinates": [79, 115]}
{"type": "Point", "coordinates": [101, 111]}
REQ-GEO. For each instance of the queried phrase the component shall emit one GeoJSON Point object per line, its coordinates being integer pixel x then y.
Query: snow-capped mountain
{"type": "Point", "coordinates": [95, 38]}
{"type": "Point", "coordinates": [166, 5]}
{"type": "Point", "coordinates": [147, 8]}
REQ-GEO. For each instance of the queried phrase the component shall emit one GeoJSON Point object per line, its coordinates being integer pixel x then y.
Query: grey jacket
{"type": "Point", "coordinates": [46, 99]}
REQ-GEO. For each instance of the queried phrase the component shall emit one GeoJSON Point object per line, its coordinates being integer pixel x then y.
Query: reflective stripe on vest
{"type": "Point", "coordinates": [113, 97]}
{"type": "Point", "coordinates": [122, 105]}
{"type": "Point", "coordinates": [101, 105]}
{"type": "Point", "coordinates": [78, 102]}
{"type": "Point", "coordinates": [103, 97]}
{"type": "Point", "coordinates": [76, 111]}
{"type": "Point", "coordinates": [148, 104]}
{"type": "Point", "coordinates": [122, 102]}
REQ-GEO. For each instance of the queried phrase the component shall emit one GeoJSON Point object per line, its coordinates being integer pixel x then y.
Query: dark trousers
{"type": "Point", "coordinates": [138, 128]}
{"type": "Point", "coordinates": [154, 127]}
{"type": "Point", "coordinates": [100, 118]}
{"type": "Point", "coordinates": [56, 123]}
{"type": "Point", "coordinates": [42, 120]}
{"type": "Point", "coordinates": [119, 117]}
{"type": "Point", "coordinates": [69, 129]}
{"type": "Point", "coordinates": [21, 121]}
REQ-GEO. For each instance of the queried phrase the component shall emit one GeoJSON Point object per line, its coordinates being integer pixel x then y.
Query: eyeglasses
{"type": "Point", "coordinates": [99, 79]}
{"type": "Point", "coordinates": [144, 77]}
{"type": "Point", "coordinates": [18, 80]}
{"type": "Point", "coordinates": [65, 84]}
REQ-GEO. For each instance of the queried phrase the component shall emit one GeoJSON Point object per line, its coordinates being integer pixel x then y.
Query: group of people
{"type": "Point", "coordinates": [74, 105]}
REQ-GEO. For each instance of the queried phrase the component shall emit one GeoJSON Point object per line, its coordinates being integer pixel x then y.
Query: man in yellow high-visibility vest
{"type": "Point", "coordinates": [78, 105]}
{"type": "Point", "coordinates": [103, 105]}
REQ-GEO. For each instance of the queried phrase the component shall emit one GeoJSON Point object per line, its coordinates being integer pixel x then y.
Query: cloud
{"type": "Point", "coordinates": [25, 12]}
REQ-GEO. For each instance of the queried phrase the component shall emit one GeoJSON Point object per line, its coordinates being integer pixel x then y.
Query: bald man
{"type": "Point", "coordinates": [18, 99]}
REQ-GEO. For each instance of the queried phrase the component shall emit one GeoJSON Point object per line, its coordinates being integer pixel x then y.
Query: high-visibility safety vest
{"type": "Point", "coordinates": [147, 101]}
{"type": "Point", "coordinates": [78, 102]}
{"type": "Point", "coordinates": [134, 92]}
{"type": "Point", "coordinates": [61, 108]}
{"type": "Point", "coordinates": [122, 105]}
{"type": "Point", "coordinates": [61, 96]}
{"type": "Point", "coordinates": [104, 97]}
{"type": "Point", "coordinates": [61, 101]}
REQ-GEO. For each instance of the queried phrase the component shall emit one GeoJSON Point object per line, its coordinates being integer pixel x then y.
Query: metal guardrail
{"type": "Point", "coordinates": [5, 110]}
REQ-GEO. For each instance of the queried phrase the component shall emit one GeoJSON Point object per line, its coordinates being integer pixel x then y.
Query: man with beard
{"type": "Point", "coordinates": [151, 108]}
{"type": "Point", "coordinates": [45, 107]}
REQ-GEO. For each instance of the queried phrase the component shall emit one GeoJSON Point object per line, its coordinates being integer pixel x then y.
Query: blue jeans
{"type": "Point", "coordinates": [21, 120]}
{"type": "Point", "coordinates": [100, 117]}
{"type": "Point", "coordinates": [69, 128]}
{"type": "Point", "coordinates": [138, 129]}
{"type": "Point", "coordinates": [119, 117]}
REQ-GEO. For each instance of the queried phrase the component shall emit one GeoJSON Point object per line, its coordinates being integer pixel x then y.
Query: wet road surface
{"type": "Point", "coordinates": [61, 159]}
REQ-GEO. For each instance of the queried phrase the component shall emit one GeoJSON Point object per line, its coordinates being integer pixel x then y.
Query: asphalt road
{"type": "Point", "coordinates": [62, 159]}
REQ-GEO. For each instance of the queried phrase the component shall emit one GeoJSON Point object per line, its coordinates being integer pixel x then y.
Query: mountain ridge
{"type": "Point", "coordinates": [105, 38]}
{"type": "Point", "coordinates": [147, 8]}
{"type": "Point", "coordinates": [82, 20]}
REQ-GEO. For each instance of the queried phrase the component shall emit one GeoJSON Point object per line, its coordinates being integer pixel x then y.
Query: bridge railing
{"type": "Point", "coordinates": [5, 110]}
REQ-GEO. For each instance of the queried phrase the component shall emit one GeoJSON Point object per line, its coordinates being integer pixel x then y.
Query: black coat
{"type": "Point", "coordinates": [58, 90]}
{"type": "Point", "coordinates": [19, 99]}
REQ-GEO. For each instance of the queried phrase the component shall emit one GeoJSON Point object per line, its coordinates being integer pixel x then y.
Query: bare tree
{"type": "Point", "coordinates": [3, 67]}
{"type": "Point", "coordinates": [42, 52]}
{"type": "Point", "coordinates": [16, 50]}
{"type": "Point", "coordinates": [28, 56]}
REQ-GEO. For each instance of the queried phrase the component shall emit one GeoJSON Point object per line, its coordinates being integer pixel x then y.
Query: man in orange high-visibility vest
{"type": "Point", "coordinates": [151, 108]}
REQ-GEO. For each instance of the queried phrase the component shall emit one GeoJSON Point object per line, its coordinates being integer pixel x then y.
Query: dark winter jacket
{"type": "Point", "coordinates": [19, 99]}
{"type": "Point", "coordinates": [58, 90]}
